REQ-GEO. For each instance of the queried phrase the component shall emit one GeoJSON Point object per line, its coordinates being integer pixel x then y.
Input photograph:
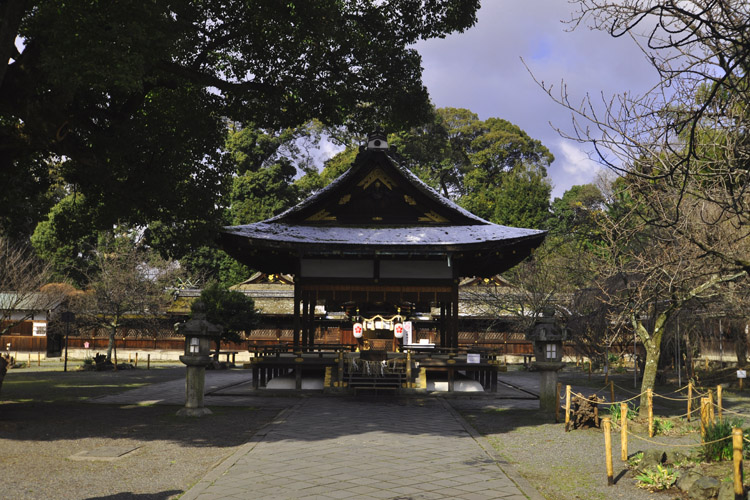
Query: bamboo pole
{"type": "Point", "coordinates": [690, 399]}
{"type": "Point", "coordinates": [718, 402]}
{"type": "Point", "coordinates": [705, 364]}
{"type": "Point", "coordinates": [739, 487]}
{"type": "Point", "coordinates": [650, 395]}
{"type": "Point", "coordinates": [567, 407]}
{"type": "Point", "coordinates": [607, 426]}
{"type": "Point", "coordinates": [612, 390]}
{"type": "Point", "coordinates": [624, 432]}
{"type": "Point", "coordinates": [704, 418]}
{"type": "Point", "coordinates": [711, 406]}
{"type": "Point", "coordinates": [558, 389]}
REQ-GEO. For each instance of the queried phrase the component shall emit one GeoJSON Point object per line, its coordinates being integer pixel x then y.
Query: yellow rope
{"type": "Point", "coordinates": [672, 399]}
{"type": "Point", "coordinates": [677, 445]}
{"type": "Point", "coordinates": [726, 410]}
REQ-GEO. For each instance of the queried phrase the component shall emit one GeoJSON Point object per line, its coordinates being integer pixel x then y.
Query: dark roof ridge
{"type": "Point", "coordinates": [394, 159]}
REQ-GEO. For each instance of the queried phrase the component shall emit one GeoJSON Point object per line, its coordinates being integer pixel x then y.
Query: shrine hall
{"type": "Point", "coordinates": [378, 252]}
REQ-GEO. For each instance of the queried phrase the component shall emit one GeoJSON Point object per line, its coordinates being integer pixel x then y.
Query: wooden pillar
{"type": "Point", "coordinates": [454, 315]}
{"type": "Point", "coordinates": [311, 320]}
{"type": "Point", "coordinates": [305, 320]}
{"type": "Point", "coordinates": [442, 324]}
{"type": "Point", "coordinates": [296, 314]}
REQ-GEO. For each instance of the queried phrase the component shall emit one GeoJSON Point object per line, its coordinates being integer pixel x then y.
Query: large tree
{"type": "Point", "coordinates": [492, 167]}
{"type": "Point", "coordinates": [126, 102]}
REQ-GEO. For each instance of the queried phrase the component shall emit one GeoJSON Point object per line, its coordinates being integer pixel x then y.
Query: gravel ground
{"type": "Point", "coordinates": [38, 439]}
{"type": "Point", "coordinates": [570, 465]}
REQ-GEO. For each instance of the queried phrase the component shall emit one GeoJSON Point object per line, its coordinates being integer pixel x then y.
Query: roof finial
{"type": "Point", "coordinates": [377, 141]}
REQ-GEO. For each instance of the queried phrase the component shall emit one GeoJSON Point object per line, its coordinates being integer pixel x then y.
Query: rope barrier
{"type": "Point", "coordinates": [582, 397]}
{"type": "Point", "coordinates": [727, 410]}
{"type": "Point", "coordinates": [677, 445]}
{"type": "Point", "coordinates": [672, 399]}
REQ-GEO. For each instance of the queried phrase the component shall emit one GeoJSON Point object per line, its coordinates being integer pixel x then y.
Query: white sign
{"type": "Point", "coordinates": [473, 358]}
{"type": "Point", "coordinates": [741, 374]}
{"type": "Point", "coordinates": [407, 332]}
{"type": "Point", "coordinates": [39, 329]}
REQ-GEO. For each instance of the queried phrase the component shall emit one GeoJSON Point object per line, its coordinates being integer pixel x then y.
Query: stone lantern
{"type": "Point", "coordinates": [548, 336]}
{"type": "Point", "coordinates": [199, 334]}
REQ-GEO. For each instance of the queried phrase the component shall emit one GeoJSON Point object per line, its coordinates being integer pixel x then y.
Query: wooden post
{"type": "Point", "coordinates": [567, 407]}
{"type": "Point", "coordinates": [612, 390]}
{"type": "Point", "coordinates": [589, 368]}
{"type": "Point", "coordinates": [28, 365]}
{"type": "Point", "coordinates": [607, 426]}
{"type": "Point", "coordinates": [557, 401]}
{"type": "Point", "coordinates": [39, 359]}
{"type": "Point", "coordinates": [690, 399]}
{"type": "Point", "coordinates": [739, 487]}
{"type": "Point", "coordinates": [741, 381]}
{"type": "Point", "coordinates": [704, 418]}
{"type": "Point", "coordinates": [148, 361]}
{"type": "Point", "coordinates": [136, 360]}
{"type": "Point", "coordinates": [130, 357]}
{"type": "Point", "coordinates": [606, 375]}
{"type": "Point", "coordinates": [650, 395]}
{"type": "Point", "coordinates": [718, 402]}
{"type": "Point", "coordinates": [711, 406]}
{"type": "Point", "coordinates": [624, 432]}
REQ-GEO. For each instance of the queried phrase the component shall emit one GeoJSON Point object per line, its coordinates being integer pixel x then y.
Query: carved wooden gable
{"type": "Point", "coordinates": [375, 191]}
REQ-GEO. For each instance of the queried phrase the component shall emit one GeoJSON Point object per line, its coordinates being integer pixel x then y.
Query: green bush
{"type": "Point", "coordinates": [615, 414]}
{"type": "Point", "coordinates": [662, 425]}
{"type": "Point", "coordinates": [721, 450]}
{"type": "Point", "coordinates": [661, 478]}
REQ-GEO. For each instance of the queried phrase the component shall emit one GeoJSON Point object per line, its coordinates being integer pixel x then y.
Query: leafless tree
{"type": "Point", "coordinates": [128, 291]}
{"type": "Point", "coordinates": [651, 272]}
{"type": "Point", "coordinates": [22, 277]}
{"type": "Point", "coordinates": [688, 133]}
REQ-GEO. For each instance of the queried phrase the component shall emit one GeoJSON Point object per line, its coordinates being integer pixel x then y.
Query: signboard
{"type": "Point", "coordinates": [473, 358]}
{"type": "Point", "coordinates": [39, 329]}
{"type": "Point", "coordinates": [741, 374]}
{"type": "Point", "coordinates": [407, 332]}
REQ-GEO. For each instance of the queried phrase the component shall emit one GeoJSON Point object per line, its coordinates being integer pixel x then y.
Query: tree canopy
{"type": "Point", "coordinates": [126, 103]}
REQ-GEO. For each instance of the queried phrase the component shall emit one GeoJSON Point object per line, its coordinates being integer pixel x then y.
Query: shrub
{"type": "Point", "coordinates": [661, 478]}
{"type": "Point", "coordinates": [662, 425]}
{"type": "Point", "coordinates": [615, 414]}
{"type": "Point", "coordinates": [721, 450]}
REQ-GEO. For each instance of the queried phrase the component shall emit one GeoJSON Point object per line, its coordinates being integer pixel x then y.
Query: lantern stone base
{"type": "Point", "coordinates": [195, 381]}
{"type": "Point", "coordinates": [548, 385]}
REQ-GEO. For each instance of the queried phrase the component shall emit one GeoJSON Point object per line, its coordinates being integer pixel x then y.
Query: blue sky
{"type": "Point", "coordinates": [481, 70]}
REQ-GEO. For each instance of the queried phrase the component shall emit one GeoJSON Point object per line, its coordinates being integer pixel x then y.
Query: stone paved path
{"type": "Point", "coordinates": [328, 448]}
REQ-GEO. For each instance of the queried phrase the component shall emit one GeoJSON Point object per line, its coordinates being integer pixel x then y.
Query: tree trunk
{"type": "Point", "coordinates": [739, 335]}
{"type": "Point", "coordinates": [653, 351]}
{"type": "Point", "coordinates": [4, 363]}
{"type": "Point", "coordinates": [111, 344]}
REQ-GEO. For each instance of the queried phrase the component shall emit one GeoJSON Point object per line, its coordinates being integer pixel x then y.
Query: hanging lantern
{"type": "Point", "coordinates": [357, 330]}
{"type": "Point", "coordinates": [398, 330]}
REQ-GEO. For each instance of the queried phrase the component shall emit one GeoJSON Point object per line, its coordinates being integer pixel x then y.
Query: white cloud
{"type": "Point", "coordinates": [572, 166]}
{"type": "Point", "coordinates": [481, 70]}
